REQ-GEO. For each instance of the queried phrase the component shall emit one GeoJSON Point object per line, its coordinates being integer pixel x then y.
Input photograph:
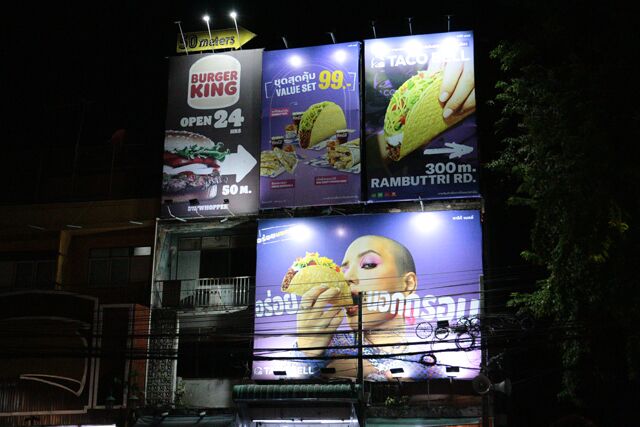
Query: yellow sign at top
{"type": "Point", "coordinates": [220, 39]}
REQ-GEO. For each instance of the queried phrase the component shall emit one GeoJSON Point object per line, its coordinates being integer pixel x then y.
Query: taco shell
{"type": "Point", "coordinates": [314, 275]}
{"type": "Point", "coordinates": [320, 122]}
{"type": "Point", "coordinates": [414, 115]}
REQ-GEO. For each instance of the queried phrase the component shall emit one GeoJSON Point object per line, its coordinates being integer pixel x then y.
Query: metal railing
{"type": "Point", "coordinates": [218, 293]}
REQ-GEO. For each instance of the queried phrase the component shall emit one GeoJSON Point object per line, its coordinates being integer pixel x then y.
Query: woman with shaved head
{"type": "Point", "coordinates": [373, 266]}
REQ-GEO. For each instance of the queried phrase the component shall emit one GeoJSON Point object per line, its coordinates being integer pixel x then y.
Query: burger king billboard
{"type": "Point", "coordinates": [212, 135]}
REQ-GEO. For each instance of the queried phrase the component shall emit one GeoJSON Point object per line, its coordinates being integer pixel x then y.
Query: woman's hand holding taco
{"type": "Point", "coordinates": [318, 318]}
{"type": "Point", "coordinates": [457, 93]}
{"type": "Point", "coordinates": [324, 291]}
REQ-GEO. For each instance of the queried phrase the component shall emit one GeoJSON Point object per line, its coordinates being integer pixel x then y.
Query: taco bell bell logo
{"type": "Point", "coordinates": [214, 82]}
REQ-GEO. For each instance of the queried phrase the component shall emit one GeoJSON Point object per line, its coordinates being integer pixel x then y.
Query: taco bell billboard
{"type": "Point", "coordinates": [212, 135]}
{"type": "Point", "coordinates": [420, 124]}
{"type": "Point", "coordinates": [310, 146]}
{"type": "Point", "coordinates": [415, 271]}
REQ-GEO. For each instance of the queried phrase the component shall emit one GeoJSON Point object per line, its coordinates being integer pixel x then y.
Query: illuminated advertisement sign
{"type": "Point", "coordinates": [420, 120]}
{"type": "Point", "coordinates": [418, 274]}
{"type": "Point", "coordinates": [310, 147]}
{"type": "Point", "coordinates": [212, 133]}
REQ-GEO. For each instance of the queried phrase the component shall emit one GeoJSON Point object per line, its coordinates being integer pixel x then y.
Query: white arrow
{"type": "Point", "coordinates": [454, 151]}
{"type": "Point", "coordinates": [238, 164]}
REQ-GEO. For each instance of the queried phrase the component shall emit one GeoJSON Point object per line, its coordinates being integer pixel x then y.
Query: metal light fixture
{"type": "Point", "coordinates": [442, 329]}
{"type": "Point", "coordinates": [109, 402]}
{"type": "Point", "coordinates": [206, 19]}
{"type": "Point", "coordinates": [133, 401]}
{"type": "Point", "coordinates": [233, 16]}
{"type": "Point", "coordinates": [396, 372]}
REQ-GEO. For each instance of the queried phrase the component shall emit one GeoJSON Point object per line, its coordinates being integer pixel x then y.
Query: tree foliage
{"type": "Point", "coordinates": [568, 124]}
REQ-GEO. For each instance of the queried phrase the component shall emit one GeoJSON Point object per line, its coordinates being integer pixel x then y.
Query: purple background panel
{"type": "Point", "coordinates": [291, 83]}
{"type": "Point", "coordinates": [447, 250]}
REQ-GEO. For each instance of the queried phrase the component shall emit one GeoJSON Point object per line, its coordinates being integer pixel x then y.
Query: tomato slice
{"type": "Point", "coordinates": [173, 160]}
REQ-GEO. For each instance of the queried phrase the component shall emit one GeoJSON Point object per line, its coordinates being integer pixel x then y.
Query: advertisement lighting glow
{"type": "Point", "coordinates": [340, 56]}
{"type": "Point", "coordinates": [380, 49]}
{"type": "Point", "coordinates": [449, 48]}
{"type": "Point", "coordinates": [301, 233]}
{"type": "Point", "coordinates": [295, 60]}
{"type": "Point", "coordinates": [413, 47]}
{"type": "Point", "coordinates": [425, 222]}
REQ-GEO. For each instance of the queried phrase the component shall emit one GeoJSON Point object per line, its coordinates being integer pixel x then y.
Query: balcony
{"type": "Point", "coordinates": [224, 294]}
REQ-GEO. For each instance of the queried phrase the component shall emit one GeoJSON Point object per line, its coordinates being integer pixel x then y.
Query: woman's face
{"type": "Point", "coordinates": [369, 264]}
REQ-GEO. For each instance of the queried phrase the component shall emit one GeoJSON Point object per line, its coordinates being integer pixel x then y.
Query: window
{"type": "Point", "coordinates": [112, 267]}
{"type": "Point", "coordinates": [28, 274]}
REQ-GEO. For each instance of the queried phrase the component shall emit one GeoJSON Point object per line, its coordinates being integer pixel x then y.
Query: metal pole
{"type": "Point", "coordinates": [362, 403]}
{"type": "Point", "coordinates": [237, 31]}
{"type": "Point", "coordinates": [183, 40]}
{"type": "Point", "coordinates": [360, 362]}
{"type": "Point", "coordinates": [483, 357]}
{"type": "Point", "coordinates": [209, 30]}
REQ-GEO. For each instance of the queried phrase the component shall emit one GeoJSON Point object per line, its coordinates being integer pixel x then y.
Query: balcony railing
{"type": "Point", "coordinates": [221, 293]}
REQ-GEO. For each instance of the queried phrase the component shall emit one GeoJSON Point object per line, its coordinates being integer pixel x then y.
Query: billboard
{"type": "Point", "coordinates": [212, 133]}
{"type": "Point", "coordinates": [310, 146]}
{"type": "Point", "coordinates": [419, 274]}
{"type": "Point", "coordinates": [420, 123]}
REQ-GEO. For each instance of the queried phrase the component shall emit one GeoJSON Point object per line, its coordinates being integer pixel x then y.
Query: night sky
{"type": "Point", "coordinates": [114, 53]}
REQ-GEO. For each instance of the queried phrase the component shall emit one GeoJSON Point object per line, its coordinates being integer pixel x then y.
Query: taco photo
{"type": "Point", "coordinates": [320, 122]}
{"type": "Point", "coordinates": [314, 270]}
{"type": "Point", "coordinates": [414, 115]}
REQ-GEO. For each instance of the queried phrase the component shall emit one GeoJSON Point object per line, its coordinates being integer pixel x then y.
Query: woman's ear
{"type": "Point", "coordinates": [410, 282]}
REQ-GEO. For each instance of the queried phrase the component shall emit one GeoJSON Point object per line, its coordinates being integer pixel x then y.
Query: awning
{"type": "Point", "coordinates": [423, 422]}
{"type": "Point", "coordinates": [186, 421]}
{"type": "Point", "coordinates": [253, 392]}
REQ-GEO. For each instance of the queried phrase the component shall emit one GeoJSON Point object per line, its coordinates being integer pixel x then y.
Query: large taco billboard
{"type": "Point", "coordinates": [418, 273]}
{"type": "Point", "coordinates": [212, 135]}
{"type": "Point", "coordinates": [310, 145]}
{"type": "Point", "coordinates": [420, 124]}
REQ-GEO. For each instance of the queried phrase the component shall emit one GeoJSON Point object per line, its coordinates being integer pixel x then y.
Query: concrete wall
{"type": "Point", "coordinates": [209, 393]}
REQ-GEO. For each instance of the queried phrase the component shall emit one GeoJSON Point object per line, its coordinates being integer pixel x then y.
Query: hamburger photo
{"type": "Point", "coordinates": [191, 166]}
